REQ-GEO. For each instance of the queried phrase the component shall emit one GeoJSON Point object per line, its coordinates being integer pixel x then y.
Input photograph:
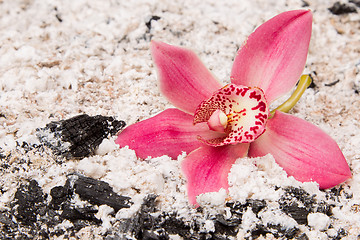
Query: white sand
{"type": "Point", "coordinates": [97, 61]}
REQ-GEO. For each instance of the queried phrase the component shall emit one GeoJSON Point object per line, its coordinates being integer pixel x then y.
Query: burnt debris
{"type": "Point", "coordinates": [149, 20]}
{"type": "Point", "coordinates": [94, 191]}
{"type": "Point", "coordinates": [34, 214]}
{"type": "Point", "coordinates": [98, 192]}
{"type": "Point", "coordinates": [341, 8]}
{"type": "Point", "coordinates": [79, 136]}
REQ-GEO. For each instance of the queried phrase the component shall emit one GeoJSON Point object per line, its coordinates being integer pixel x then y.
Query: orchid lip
{"type": "Point", "coordinates": [245, 108]}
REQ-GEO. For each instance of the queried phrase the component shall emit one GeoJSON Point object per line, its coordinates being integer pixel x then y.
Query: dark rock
{"type": "Point", "coordinates": [150, 235]}
{"type": "Point", "coordinates": [78, 136]}
{"type": "Point", "coordinates": [336, 193]}
{"type": "Point", "coordinates": [341, 8]}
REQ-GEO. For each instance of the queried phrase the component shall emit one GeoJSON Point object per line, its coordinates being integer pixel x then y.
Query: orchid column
{"type": "Point", "coordinates": [218, 124]}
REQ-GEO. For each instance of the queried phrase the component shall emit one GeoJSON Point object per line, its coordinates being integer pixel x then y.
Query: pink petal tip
{"type": "Point", "coordinates": [274, 56]}
{"type": "Point", "coordinates": [184, 79]}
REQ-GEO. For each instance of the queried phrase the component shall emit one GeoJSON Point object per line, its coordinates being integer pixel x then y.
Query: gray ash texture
{"type": "Point", "coordinates": [79, 136]}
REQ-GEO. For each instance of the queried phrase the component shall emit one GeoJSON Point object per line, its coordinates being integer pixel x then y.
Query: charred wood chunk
{"type": "Point", "coordinates": [99, 193]}
{"type": "Point", "coordinates": [59, 195]}
{"type": "Point", "coordinates": [74, 214]}
{"type": "Point", "coordinates": [296, 212]}
{"type": "Point", "coordinates": [29, 200]}
{"type": "Point", "coordinates": [78, 136]}
{"type": "Point", "coordinates": [342, 8]}
{"type": "Point", "coordinates": [143, 222]}
{"type": "Point", "coordinates": [356, 2]}
{"type": "Point", "coordinates": [297, 203]}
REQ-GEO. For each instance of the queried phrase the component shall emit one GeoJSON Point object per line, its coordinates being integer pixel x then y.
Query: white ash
{"type": "Point", "coordinates": [97, 61]}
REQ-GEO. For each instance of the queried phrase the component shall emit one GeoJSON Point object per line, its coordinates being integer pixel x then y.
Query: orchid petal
{"type": "Point", "coordinates": [207, 168]}
{"type": "Point", "coordinates": [169, 133]}
{"type": "Point", "coordinates": [274, 56]}
{"type": "Point", "coordinates": [184, 79]}
{"type": "Point", "coordinates": [303, 150]}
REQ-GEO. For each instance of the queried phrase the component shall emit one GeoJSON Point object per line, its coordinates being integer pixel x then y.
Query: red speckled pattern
{"type": "Point", "coordinates": [246, 109]}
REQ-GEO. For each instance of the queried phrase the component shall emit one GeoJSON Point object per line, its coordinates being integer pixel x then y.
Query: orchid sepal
{"type": "Point", "coordinates": [273, 57]}
{"type": "Point", "coordinates": [303, 150]}
{"type": "Point", "coordinates": [171, 132]}
{"type": "Point", "coordinates": [181, 73]}
{"type": "Point", "coordinates": [207, 168]}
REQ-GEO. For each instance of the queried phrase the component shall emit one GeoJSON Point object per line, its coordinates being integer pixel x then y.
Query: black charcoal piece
{"type": "Point", "coordinates": [259, 230]}
{"type": "Point", "coordinates": [73, 214]}
{"type": "Point", "coordinates": [341, 8]}
{"type": "Point", "coordinates": [226, 226]}
{"type": "Point", "coordinates": [312, 84]}
{"type": "Point", "coordinates": [298, 213]}
{"type": "Point", "coordinates": [356, 2]}
{"type": "Point", "coordinates": [305, 3]}
{"type": "Point", "coordinates": [143, 220]}
{"type": "Point", "coordinates": [29, 200]}
{"type": "Point", "coordinates": [302, 237]}
{"type": "Point", "coordinates": [236, 208]}
{"type": "Point", "coordinates": [98, 192]}
{"type": "Point", "coordinates": [78, 136]}
{"type": "Point", "coordinates": [59, 194]}
{"type": "Point", "coordinates": [150, 19]}
{"type": "Point", "coordinates": [332, 83]}
{"type": "Point", "coordinates": [297, 203]}
{"type": "Point", "coordinates": [173, 225]}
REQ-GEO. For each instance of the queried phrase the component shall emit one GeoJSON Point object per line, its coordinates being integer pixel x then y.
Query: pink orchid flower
{"type": "Point", "coordinates": [217, 125]}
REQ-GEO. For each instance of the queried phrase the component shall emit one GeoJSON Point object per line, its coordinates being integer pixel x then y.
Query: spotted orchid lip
{"type": "Point", "coordinates": [246, 110]}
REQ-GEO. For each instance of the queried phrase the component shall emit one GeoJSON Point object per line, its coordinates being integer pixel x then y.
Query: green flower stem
{"type": "Point", "coordinates": [304, 83]}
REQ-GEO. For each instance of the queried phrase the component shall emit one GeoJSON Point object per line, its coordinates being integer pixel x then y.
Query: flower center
{"type": "Point", "coordinates": [238, 111]}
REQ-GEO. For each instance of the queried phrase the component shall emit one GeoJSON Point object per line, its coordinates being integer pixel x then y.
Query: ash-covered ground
{"type": "Point", "coordinates": [70, 67]}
